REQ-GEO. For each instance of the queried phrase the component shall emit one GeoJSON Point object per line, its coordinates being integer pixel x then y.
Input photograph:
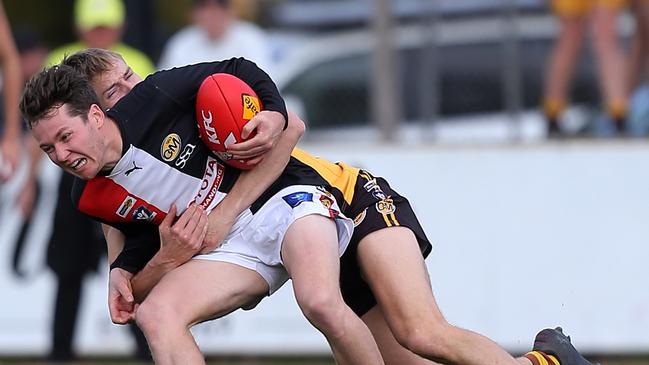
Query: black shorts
{"type": "Point", "coordinates": [386, 208]}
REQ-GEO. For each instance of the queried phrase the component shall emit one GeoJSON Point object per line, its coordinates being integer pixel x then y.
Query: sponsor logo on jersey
{"type": "Point", "coordinates": [360, 217]}
{"type": "Point", "coordinates": [141, 213]}
{"type": "Point", "coordinates": [326, 201]}
{"type": "Point", "coordinates": [373, 187]}
{"type": "Point", "coordinates": [207, 125]}
{"type": "Point", "coordinates": [131, 170]}
{"type": "Point", "coordinates": [185, 155]}
{"type": "Point", "coordinates": [126, 206]}
{"type": "Point", "coordinates": [210, 184]}
{"type": "Point", "coordinates": [385, 206]}
{"type": "Point", "coordinates": [297, 198]}
{"type": "Point", "coordinates": [250, 106]}
{"type": "Point", "coordinates": [170, 147]}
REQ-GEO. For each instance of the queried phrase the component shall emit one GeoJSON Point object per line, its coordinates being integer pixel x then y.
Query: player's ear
{"type": "Point", "coordinates": [96, 115]}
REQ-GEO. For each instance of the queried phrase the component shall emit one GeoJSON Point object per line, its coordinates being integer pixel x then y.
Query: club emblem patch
{"type": "Point", "coordinates": [143, 214]}
{"type": "Point", "coordinates": [326, 201]}
{"type": "Point", "coordinates": [360, 217]}
{"type": "Point", "coordinates": [126, 206]}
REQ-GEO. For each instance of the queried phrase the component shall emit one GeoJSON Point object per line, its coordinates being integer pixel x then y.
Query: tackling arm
{"type": "Point", "coordinates": [251, 184]}
{"type": "Point", "coordinates": [179, 241]}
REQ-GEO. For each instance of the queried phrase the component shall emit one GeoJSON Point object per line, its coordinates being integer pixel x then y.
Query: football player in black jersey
{"type": "Point", "coordinates": [392, 264]}
{"type": "Point", "coordinates": [100, 149]}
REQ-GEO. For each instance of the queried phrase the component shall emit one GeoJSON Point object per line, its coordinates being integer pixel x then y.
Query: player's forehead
{"type": "Point", "coordinates": [57, 119]}
{"type": "Point", "coordinates": [119, 64]}
{"type": "Point", "coordinates": [113, 68]}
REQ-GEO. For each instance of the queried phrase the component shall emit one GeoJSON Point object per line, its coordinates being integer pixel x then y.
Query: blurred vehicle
{"type": "Point", "coordinates": [329, 14]}
{"type": "Point", "coordinates": [328, 77]}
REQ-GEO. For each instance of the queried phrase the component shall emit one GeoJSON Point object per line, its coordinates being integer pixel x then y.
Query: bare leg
{"type": "Point", "coordinates": [610, 60]}
{"type": "Point", "coordinates": [393, 353]}
{"type": "Point", "coordinates": [387, 257]}
{"type": "Point", "coordinates": [196, 291]}
{"type": "Point", "coordinates": [563, 58]}
{"type": "Point", "coordinates": [642, 17]}
{"type": "Point", "coordinates": [637, 68]}
{"type": "Point", "coordinates": [310, 254]}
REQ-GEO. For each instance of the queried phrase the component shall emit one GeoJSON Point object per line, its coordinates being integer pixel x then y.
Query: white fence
{"type": "Point", "coordinates": [525, 237]}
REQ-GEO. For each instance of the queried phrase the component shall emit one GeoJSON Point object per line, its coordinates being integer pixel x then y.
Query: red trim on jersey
{"type": "Point", "coordinates": [109, 201]}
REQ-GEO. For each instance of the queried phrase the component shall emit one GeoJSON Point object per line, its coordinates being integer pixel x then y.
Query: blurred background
{"type": "Point", "coordinates": [517, 128]}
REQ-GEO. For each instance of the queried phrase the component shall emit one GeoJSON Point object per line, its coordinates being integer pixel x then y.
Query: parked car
{"type": "Point", "coordinates": [332, 14]}
{"type": "Point", "coordinates": [328, 77]}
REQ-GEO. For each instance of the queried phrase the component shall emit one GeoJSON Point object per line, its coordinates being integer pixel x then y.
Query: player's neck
{"type": "Point", "coordinates": [114, 144]}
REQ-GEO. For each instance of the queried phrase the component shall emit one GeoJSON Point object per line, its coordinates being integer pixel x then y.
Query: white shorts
{"type": "Point", "coordinates": [257, 243]}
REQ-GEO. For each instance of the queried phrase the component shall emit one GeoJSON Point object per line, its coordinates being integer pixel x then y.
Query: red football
{"type": "Point", "coordinates": [224, 104]}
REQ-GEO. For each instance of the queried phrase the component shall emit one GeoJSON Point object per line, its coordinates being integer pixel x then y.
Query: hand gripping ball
{"type": "Point", "coordinates": [225, 104]}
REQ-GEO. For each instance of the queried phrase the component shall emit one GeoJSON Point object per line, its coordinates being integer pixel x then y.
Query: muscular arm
{"type": "Point", "coordinates": [251, 184]}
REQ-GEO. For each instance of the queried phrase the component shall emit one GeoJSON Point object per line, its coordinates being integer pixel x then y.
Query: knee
{"type": "Point", "coordinates": [154, 319]}
{"type": "Point", "coordinates": [325, 312]}
{"type": "Point", "coordinates": [146, 318]}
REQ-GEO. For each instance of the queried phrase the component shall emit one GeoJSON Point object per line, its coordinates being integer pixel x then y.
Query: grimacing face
{"type": "Point", "coordinates": [113, 84]}
{"type": "Point", "coordinates": [71, 143]}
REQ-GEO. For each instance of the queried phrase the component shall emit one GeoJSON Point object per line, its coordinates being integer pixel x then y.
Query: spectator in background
{"type": "Point", "coordinates": [100, 24]}
{"type": "Point", "coordinates": [216, 34]}
{"type": "Point", "coordinates": [575, 16]}
{"type": "Point", "coordinates": [11, 86]}
{"type": "Point", "coordinates": [32, 54]}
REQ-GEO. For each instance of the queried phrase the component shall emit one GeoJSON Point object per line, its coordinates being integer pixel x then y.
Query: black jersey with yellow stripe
{"type": "Point", "coordinates": [341, 179]}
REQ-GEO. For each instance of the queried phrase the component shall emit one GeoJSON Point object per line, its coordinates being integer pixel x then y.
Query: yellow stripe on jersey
{"type": "Point", "coordinates": [387, 221]}
{"type": "Point", "coordinates": [365, 176]}
{"type": "Point", "coordinates": [341, 176]}
{"type": "Point", "coordinates": [394, 219]}
{"type": "Point", "coordinates": [553, 360]}
{"type": "Point", "coordinates": [390, 219]}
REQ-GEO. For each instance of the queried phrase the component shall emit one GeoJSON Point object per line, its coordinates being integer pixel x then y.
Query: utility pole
{"type": "Point", "coordinates": [428, 69]}
{"type": "Point", "coordinates": [385, 91]}
{"type": "Point", "coordinates": [513, 92]}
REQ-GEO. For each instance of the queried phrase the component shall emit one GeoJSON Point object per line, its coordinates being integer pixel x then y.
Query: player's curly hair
{"type": "Point", "coordinates": [53, 87]}
{"type": "Point", "coordinates": [91, 62]}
